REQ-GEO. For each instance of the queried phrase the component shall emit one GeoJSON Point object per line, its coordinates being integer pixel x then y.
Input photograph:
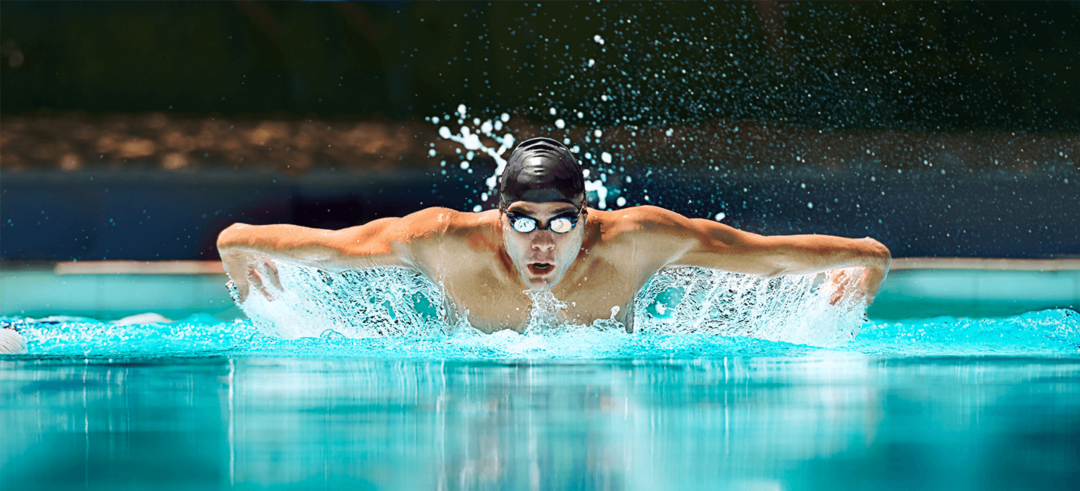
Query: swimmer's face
{"type": "Point", "coordinates": [542, 256]}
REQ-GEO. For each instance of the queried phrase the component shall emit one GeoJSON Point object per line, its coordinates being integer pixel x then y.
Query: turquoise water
{"type": "Point", "coordinates": [941, 403]}
{"type": "Point", "coordinates": [355, 381]}
{"type": "Point", "coordinates": [1049, 333]}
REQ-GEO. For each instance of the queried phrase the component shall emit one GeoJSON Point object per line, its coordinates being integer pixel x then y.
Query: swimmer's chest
{"type": "Point", "coordinates": [493, 304]}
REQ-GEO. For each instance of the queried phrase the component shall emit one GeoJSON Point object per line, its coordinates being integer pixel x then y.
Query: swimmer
{"type": "Point", "coordinates": [544, 238]}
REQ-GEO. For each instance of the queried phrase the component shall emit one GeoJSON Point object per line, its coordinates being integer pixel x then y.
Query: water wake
{"type": "Point", "coordinates": [689, 313]}
{"type": "Point", "coordinates": [1053, 333]}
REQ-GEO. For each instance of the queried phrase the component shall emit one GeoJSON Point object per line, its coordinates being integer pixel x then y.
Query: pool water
{"type": "Point", "coordinates": [735, 422]}
{"type": "Point", "coordinates": [727, 382]}
{"type": "Point", "coordinates": [941, 403]}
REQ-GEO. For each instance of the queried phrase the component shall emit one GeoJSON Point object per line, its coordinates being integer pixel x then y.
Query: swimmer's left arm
{"type": "Point", "coordinates": [705, 243]}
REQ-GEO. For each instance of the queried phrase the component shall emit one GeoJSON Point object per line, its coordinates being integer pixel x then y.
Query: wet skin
{"type": "Point", "coordinates": [597, 268]}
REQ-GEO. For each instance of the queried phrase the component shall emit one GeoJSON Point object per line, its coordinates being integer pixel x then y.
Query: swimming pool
{"type": "Point", "coordinates": [909, 403]}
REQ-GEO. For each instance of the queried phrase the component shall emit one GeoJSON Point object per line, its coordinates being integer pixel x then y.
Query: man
{"type": "Point", "coordinates": [544, 238]}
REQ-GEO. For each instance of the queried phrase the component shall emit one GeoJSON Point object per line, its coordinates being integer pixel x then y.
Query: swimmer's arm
{"type": "Point", "coordinates": [705, 243]}
{"type": "Point", "coordinates": [384, 242]}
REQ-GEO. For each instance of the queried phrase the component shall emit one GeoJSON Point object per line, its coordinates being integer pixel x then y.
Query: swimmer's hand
{"type": "Point", "coordinates": [857, 283]}
{"type": "Point", "coordinates": [252, 271]}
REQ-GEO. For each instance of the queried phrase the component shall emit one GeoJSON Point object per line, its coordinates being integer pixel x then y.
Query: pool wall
{"type": "Point", "coordinates": [918, 293]}
{"type": "Point", "coordinates": [110, 290]}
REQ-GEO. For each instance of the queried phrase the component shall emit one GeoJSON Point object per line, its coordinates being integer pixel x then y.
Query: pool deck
{"type": "Point", "coordinates": [916, 287]}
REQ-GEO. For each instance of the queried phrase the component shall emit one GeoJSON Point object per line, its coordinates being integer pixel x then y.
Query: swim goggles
{"type": "Point", "coordinates": [560, 224]}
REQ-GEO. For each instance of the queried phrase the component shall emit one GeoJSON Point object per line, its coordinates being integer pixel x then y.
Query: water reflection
{"type": "Point", "coordinates": [747, 423]}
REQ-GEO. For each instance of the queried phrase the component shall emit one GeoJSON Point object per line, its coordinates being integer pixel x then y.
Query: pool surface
{"type": "Point", "coordinates": [726, 423]}
{"type": "Point", "coordinates": [801, 398]}
{"type": "Point", "coordinates": [934, 404]}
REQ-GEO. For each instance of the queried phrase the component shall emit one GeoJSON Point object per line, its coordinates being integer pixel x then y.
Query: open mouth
{"type": "Point", "coordinates": [540, 269]}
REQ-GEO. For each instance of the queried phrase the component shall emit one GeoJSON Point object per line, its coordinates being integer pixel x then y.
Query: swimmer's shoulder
{"type": "Point", "coordinates": [650, 228]}
{"type": "Point", "coordinates": [449, 224]}
{"type": "Point", "coordinates": [634, 220]}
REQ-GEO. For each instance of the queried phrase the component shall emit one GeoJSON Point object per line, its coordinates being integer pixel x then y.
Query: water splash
{"type": "Point", "coordinates": [402, 302]}
{"type": "Point", "coordinates": [687, 313]}
{"type": "Point", "coordinates": [791, 309]}
{"type": "Point", "coordinates": [198, 335]}
{"type": "Point", "coordinates": [368, 303]}
{"type": "Point", "coordinates": [481, 137]}
{"type": "Point", "coordinates": [1053, 333]}
{"type": "Point", "coordinates": [545, 311]}
{"type": "Point", "coordinates": [1050, 333]}
{"type": "Point", "coordinates": [470, 139]}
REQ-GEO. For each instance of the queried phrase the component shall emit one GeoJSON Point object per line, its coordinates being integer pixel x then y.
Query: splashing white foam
{"type": "Point", "coordinates": [356, 304]}
{"type": "Point", "coordinates": [387, 302]}
{"type": "Point", "coordinates": [480, 138]}
{"type": "Point", "coordinates": [792, 309]}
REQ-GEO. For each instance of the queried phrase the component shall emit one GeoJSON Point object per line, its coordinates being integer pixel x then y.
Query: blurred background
{"type": "Point", "coordinates": [139, 130]}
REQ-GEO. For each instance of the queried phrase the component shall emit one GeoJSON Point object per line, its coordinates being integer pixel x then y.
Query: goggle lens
{"type": "Point", "coordinates": [559, 225]}
{"type": "Point", "coordinates": [523, 224]}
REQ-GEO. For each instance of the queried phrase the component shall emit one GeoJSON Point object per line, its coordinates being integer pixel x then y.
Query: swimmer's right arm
{"type": "Point", "coordinates": [247, 250]}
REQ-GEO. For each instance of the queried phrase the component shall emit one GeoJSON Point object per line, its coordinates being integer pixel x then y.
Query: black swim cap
{"type": "Point", "coordinates": [541, 170]}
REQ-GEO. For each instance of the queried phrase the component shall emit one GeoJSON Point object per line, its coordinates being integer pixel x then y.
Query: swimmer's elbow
{"type": "Point", "coordinates": [235, 236]}
{"type": "Point", "coordinates": [773, 273]}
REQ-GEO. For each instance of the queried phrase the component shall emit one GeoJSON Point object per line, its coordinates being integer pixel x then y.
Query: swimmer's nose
{"type": "Point", "coordinates": [543, 239]}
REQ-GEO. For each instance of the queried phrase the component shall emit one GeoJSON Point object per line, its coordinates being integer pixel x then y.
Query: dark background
{"type": "Point", "coordinates": [942, 129]}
